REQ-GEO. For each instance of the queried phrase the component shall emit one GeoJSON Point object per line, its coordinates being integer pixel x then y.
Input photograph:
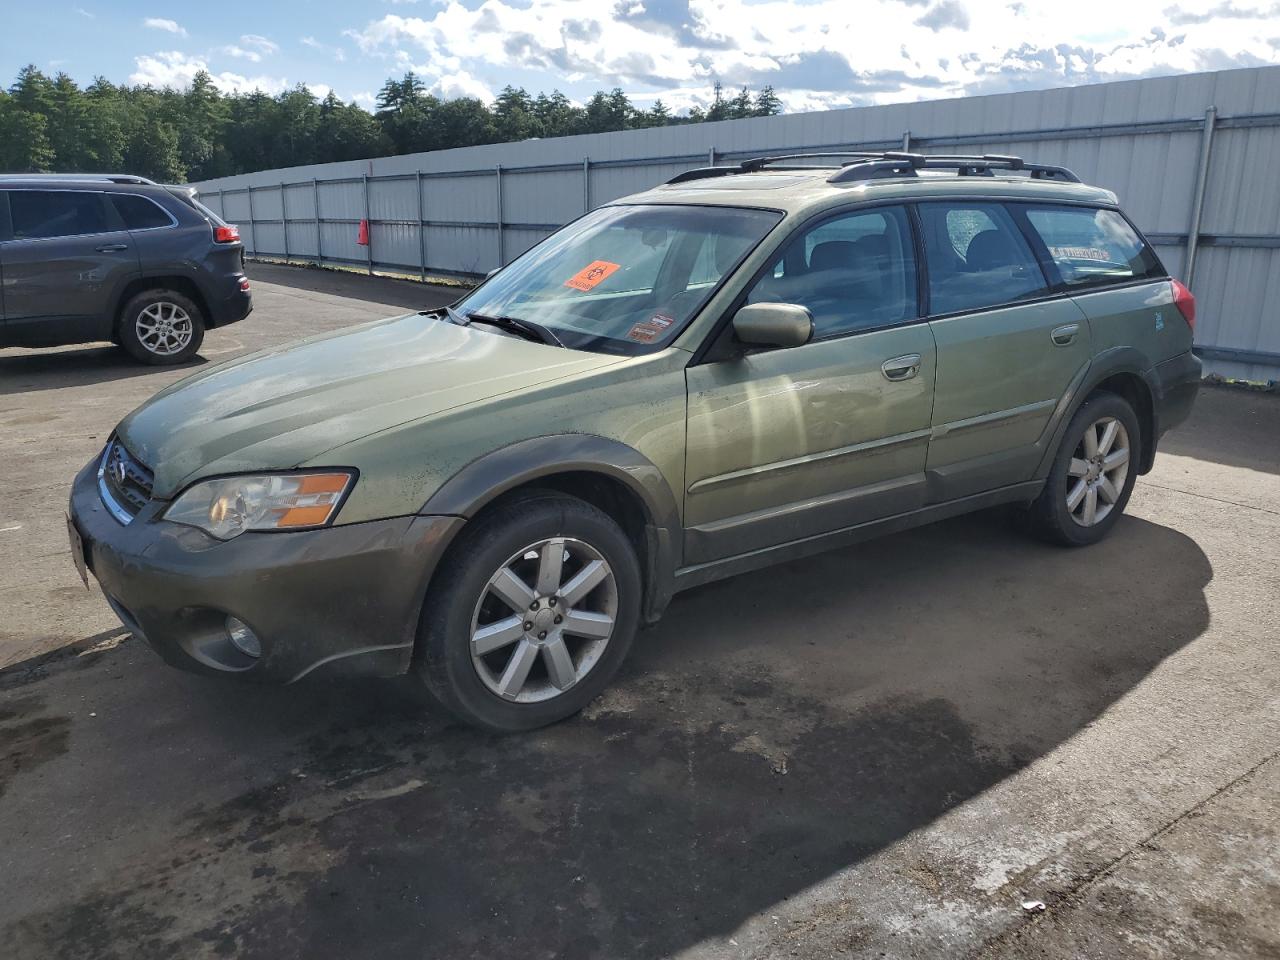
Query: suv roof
{"type": "Point", "coordinates": [798, 182]}
{"type": "Point", "coordinates": [94, 178]}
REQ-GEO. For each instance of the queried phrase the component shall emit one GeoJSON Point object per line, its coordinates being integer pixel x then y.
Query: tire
{"type": "Point", "coordinates": [1052, 515]}
{"type": "Point", "coordinates": [161, 327]}
{"type": "Point", "coordinates": [462, 600]}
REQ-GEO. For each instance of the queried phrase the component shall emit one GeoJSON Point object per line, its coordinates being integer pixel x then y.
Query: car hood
{"type": "Point", "coordinates": [286, 406]}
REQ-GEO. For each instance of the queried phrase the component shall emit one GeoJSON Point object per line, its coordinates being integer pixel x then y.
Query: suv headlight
{"type": "Point", "coordinates": [228, 506]}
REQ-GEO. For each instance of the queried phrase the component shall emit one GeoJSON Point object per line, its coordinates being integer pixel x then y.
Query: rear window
{"type": "Point", "coordinates": [140, 213]}
{"type": "Point", "coordinates": [40, 214]}
{"type": "Point", "coordinates": [1093, 247]}
{"type": "Point", "coordinates": [199, 207]}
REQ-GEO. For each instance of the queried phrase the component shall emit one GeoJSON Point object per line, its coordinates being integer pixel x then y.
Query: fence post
{"type": "Point", "coordinates": [497, 170]}
{"type": "Point", "coordinates": [586, 184]}
{"type": "Point", "coordinates": [711, 157]}
{"type": "Point", "coordinates": [368, 247]}
{"type": "Point", "coordinates": [284, 219]}
{"type": "Point", "coordinates": [422, 234]}
{"type": "Point", "coordinates": [253, 232]}
{"type": "Point", "coordinates": [906, 141]}
{"type": "Point", "coordinates": [1197, 201]}
{"type": "Point", "coordinates": [315, 207]}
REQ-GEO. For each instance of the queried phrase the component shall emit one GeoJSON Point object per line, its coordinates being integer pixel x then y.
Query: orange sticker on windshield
{"type": "Point", "coordinates": [591, 275]}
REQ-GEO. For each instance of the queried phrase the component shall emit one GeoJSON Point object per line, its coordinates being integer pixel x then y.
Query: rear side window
{"type": "Point", "coordinates": [977, 257]}
{"type": "Point", "coordinates": [1092, 247]}
{"type": "Point", "coordinates": [140, 213]}
{"type": "Point", "coordinates": [39, 214]}
{"type": "Point", "coordinates": [853, 272]}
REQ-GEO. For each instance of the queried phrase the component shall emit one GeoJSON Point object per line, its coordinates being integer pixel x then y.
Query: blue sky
{"type": "Point", "coordinates": [816, 53]}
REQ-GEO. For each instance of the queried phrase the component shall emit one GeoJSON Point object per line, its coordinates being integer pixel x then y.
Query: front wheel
{"type": "Point", "coordinates": [532, 614]}
{"type": "Point", "coordinates": [161, 327]}
{"type": "Point", "coordinates": [1092, 474]}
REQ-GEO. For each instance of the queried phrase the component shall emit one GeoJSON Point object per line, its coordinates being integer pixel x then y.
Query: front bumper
{"type": "Point", "coordinates": [343, 599]}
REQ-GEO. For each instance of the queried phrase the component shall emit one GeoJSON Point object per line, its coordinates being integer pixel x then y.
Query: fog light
{"type": "Point", "coordinates": [242, 638]}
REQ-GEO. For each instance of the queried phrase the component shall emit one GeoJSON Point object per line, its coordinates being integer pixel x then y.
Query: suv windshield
{"type": "Point", "coordinates": [623, 279]}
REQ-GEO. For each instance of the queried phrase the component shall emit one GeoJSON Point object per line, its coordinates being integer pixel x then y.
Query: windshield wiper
{"type": "Point", "coordinates": [525, 328]}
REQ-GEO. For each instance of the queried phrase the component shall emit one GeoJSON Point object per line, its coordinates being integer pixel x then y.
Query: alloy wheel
{"type": "Point", "coordinates": [1097, 472]}
{"type": "Point", "coordinates": [164, 328]}
{"type": "Point", "coordinates": [543, 620]}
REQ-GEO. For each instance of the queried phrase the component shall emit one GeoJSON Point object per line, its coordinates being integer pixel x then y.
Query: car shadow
{"type": "Point", "coordinates": [27, 371]}
{"type": "Point", "coordinates": [1232, 425]}
{"type": "Point", "coordinates": [772, 730]}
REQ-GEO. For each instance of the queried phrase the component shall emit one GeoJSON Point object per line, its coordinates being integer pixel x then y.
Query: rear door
{"type": "Point", "coordinates": [1008, 347]}
{"type": "Point", "coordinates": [65, 262]}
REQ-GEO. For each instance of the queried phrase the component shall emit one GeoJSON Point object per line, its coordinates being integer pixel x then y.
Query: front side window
{"type": "Point", "coordinates": [1093, 247]}
{"type": "Point", "coordinates": [39, 214]}
{"type": "Point", "coordinates": [853, 272]}
{"type": "Point", "coordinates": [976, 257]}
{"type": "Point", "coordinates": [623, 279]}
{"type": "Point", "coordinates": [139, 213]}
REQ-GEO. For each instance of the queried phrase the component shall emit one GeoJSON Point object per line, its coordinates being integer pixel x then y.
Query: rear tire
{"type": "Point", "coordinates": [513, 631]}
{"type": "Point", "coordinates": [161, 327]}
{"type": "Point", "coordinates": [1092, 474]}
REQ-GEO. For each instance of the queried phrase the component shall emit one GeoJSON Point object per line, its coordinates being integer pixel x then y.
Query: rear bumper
{"type": "Point", "coordinates": [230, 308]}
{"type": "Point", "coordinates": [343, 599]}
{"type": "Point", "coordinates": [1178, 381]}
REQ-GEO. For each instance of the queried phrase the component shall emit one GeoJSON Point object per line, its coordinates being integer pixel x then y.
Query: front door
{"type": "Point", "coordinates": [63, 265]}
{"type": "Point", "coordinates": [1006, 351]}
{"type": "Point", "coordinates": [786, 444]}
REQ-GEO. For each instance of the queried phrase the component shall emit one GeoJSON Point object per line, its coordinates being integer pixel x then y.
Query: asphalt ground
{"type": "Point", "coordinates": [882, 751]}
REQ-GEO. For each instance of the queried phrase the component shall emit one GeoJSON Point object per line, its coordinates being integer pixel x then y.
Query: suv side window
{"type": "Point", "coordinates": [41, 214]}
{"type": "Point", "coordinates": [977, 257]}
{"type": "Point", "coordinates": [140, 213]}
{"type": "Point", "coordinates": [1093, 247]}
{"type": "Point", "coordinates": [854, 272]}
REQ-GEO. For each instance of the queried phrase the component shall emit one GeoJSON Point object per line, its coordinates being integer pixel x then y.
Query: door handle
{"type": "Point", "coordinates": [1064, 335]}
{"type": "Point", "coordinates": [112, 247]}
{"type": "Point", "coordinates": [901, 368]}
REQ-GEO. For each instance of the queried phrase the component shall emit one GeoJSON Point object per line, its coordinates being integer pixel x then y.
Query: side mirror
{"type": "Point", "coordinates": [773, 325]}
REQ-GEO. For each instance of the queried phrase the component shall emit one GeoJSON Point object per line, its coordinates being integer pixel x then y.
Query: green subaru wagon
{"type": "Point", "coordinates": [741, 367]}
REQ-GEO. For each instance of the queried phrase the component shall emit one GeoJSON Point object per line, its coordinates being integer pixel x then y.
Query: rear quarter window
{"type": "Point", "coordinates": [1092, 246]}
{"type": "Point", "coordinates": [140, 213]}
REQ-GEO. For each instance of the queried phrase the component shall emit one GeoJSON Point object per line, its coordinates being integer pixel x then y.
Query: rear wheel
{"type": "Point", "coordinates": [533, 614]}
{"type": "Point", "coordinates": [1092, 475]}
{"type": "Point", "coordinates": [161, 327]}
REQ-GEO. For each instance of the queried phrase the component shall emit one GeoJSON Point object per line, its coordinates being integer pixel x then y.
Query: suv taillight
{"type": "Point", "coordinates": [1185, 301]}
{"type": "Point", "coordinates": [227, 234]}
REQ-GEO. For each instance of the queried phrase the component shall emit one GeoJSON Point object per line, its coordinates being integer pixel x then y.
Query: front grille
{"type": "Point", "coordinates": [123, 482]}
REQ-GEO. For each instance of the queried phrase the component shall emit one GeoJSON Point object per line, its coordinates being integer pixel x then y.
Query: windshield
{"type": "Point", "coordinates": [623, 279]}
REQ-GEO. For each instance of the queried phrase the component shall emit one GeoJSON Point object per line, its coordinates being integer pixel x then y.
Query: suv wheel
{"type": "Point", "coordinates": [161, 327]}
{"type": "Point", "coordinates": [533, 614]}
{"type": "Point", "coordinates": [1092, 475]}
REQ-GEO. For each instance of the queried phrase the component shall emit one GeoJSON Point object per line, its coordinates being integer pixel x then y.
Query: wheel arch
{"type": "Point", "coordinates": [180, 284]}
{"type": "Point", "coordinates": [610, 475]}
{"type": "Point", "coordinates": [1121, 370]}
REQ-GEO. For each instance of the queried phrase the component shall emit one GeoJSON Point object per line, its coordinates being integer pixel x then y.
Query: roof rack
{"type": "Point", "coordinates": [92, 177]}
{"type": "Point", "coordinates": [858, 165]}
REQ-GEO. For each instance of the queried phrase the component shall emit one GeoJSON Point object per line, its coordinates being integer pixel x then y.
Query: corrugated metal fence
{"type": "Point", "coordinates": [1195, 160]}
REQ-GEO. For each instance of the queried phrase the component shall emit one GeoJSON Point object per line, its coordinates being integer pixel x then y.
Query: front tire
{"type": "Point", "coordinates": [1092, 475]}
{"type": "Point", "coordinates": [531, 614]}
{"type": "Point", "coordinates": [161, 327]}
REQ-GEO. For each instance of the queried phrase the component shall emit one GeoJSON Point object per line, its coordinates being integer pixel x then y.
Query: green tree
{"type": "Point", "coordinates": [767, 103]}
{"type": "Point", "coordinates": [24, 142]}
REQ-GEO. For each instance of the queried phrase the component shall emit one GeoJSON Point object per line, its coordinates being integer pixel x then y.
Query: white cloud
{"type": "Point", "coordinates": [251, 47]}
{"type": "Point", "coordinates": [824, 53]}
{"type": "Point", "coordinates": [173, 69]}
{"type": "Point", "coordinates": [83, 12]}
{"type": "Point", "coordinates": [460, 84]}
{"type": "Point", "coordinates": [336, 52]}
{"type": "Point", "coordinates": [168, 26]}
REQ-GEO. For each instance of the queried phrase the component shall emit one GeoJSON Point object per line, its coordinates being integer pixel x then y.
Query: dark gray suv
{"type": "Point", "coordinates": [88, 258]}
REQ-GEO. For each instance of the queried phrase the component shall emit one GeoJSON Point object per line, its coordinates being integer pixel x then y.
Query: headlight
{"type": "Point", "coordinates": [229, 506]}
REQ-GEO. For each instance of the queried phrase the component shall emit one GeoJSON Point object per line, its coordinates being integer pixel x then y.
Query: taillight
{"type": "Point", "coordinates": [226, 234]}
{"type": "Point", "coordinates": [1185, 301]}
{"type": "Point", "coordinates": [244, 284]}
